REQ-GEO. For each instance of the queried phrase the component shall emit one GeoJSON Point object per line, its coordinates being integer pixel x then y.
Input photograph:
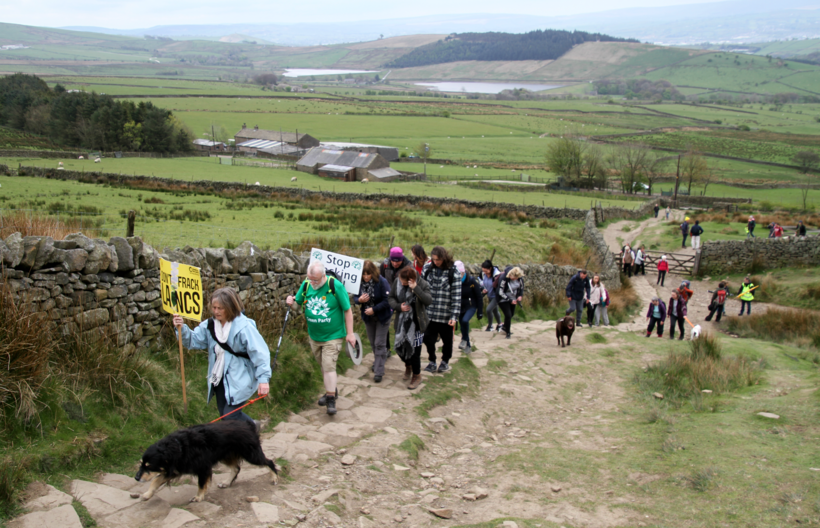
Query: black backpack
{"type": "Point", "coordinates": [451, 273]}
{"type": "Point", "coordinates": [332, 277]}
{"type": "Point", "coordinates": [225, 347]}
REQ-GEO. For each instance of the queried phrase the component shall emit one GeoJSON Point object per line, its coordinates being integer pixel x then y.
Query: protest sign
{"type": "Point", "coordinates": [349, 269]}
{"type": "Point", "coordinates": [181, 289]}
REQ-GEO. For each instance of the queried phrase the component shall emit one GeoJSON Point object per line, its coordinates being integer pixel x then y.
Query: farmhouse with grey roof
{"type": "Point", "coordinates": [347, 165]}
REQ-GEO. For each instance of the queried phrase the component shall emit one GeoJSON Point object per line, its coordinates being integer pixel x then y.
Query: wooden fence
{"type": "Point", "coordinates": [678, 262]}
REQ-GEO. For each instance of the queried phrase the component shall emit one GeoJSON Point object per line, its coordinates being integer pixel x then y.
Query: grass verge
{"type": "Point", "coordinates": [464, 380]}
{"type": "Point", "coordinates": [798, 327]}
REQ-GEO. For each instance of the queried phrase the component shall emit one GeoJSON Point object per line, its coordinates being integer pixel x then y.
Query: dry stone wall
{"type": "Point", "coordinates": [737, 256]}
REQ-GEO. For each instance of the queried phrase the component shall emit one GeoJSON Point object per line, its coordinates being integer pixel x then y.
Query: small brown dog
{"type": "Point", "coordinates": [565, 327]}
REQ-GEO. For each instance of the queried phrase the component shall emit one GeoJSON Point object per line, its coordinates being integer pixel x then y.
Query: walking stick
{"type": "Point", "coordinates": [750, 289]}
{"type": "Point", "coordinates": [279, 344]}
{"type": "Point", "coordinates": [182, 370]}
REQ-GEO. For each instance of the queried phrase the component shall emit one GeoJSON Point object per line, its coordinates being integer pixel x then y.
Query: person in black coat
{"type": "Point", "coordinates": [376, 314]}
{"type": "Point", "coordinates": [577, 294]}
{"type": "Point", "coordinates": [471, 304]}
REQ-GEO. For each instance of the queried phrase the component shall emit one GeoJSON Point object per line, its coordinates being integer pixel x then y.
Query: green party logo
{"type": "Point", "coordinates": [357, 265]}
{"type": "Point", "coordinates": [317, 255]}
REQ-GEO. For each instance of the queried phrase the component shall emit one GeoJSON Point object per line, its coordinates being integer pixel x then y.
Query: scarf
{"type": "Point", "coordinates": [369, 288]}
{"type": "Point", "coordinates": [406, 331]}
{"type": "Point", "coordinates": [222, 333]}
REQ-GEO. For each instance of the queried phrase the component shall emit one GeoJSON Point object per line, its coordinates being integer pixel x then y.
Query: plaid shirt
{"type": "Point", "coordinates": [446, 294]}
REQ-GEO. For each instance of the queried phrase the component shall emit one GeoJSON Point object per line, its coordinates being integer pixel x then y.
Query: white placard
{"type": "Point", "coordinates": [349, 269]}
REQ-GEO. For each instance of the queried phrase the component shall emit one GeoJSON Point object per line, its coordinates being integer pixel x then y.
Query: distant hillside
{"type": "Point", "coordinates": [537, 45]}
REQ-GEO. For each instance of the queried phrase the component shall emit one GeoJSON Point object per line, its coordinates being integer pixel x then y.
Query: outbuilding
{"type": "Point", "coordinates": [362, 162]}
{"type": "Point", "coordinates": [209, 145]}
{"type": "Point", "coordinates": [303, 141]}
{"type": "Point", "coordinates": [388, 153]}
{"type": "Point", "coordinates": [338, 172]}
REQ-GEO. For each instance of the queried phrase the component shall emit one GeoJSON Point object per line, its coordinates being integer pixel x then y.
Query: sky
{"type": "Point", "coordinates": [131, 14]}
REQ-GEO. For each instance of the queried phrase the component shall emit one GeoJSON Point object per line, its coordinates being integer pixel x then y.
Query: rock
{"type": "Point", "coordinates": [390, 430]}
{"type": "Point", "coordinates": [348, 460]}
{"type": "Point", "coordinates": [266, 513]}
{"type": "Point", "coordinates": [125, 253]}
{"type": "Point", "coordinates": [468, 497]}
{"type": "Point", "coordinates": [372, 414]}
{"type": "Point", "coordinates": [92, 318]}
{"type": "Point", "coordinates": [397, 467]}
{"type": "Point", "coordinates": [364, 522]}
{"type": "Point", "coordinates": [14, 245]}
{"type": "Point", "coordinates": [509, 524]}
{"type": "Point", "coordinates": [769, 415]}
{"type": "Point", "coordinates": [658, 395]}
{"type": "Point", "coordinates": [245, 258]}
{"type": "Point", "coordinates": [437, 480]}
{"type": "Point", "coordinates": [444, 513]}
{"type": "Point", "coordinates": [98, 499]}
{"type": "Point", "coordinates": [65, 244]}
{"type": "Point", "coordinates": [252, 498]}
{"type": "Point", "coordinates": [178, 517]}
{"type": "Point", "coordinates": [429, 499]}
{"type": "Point", "coordinates": [480, 493]}
{"type": "Point", "coordinates": [706, 391]}
{"type": "Point", "coordinates": [135, 495]}
{"type": "Point", "coordinates": [398, 518]}
{"type": "Point", "coordinates": [148, 257]}
{"type": "Point", "coordinates": [322, 497]}
{"type": "Point", "coordinates": [50, 500]}
{"type": "Point", "coordinates": [75, 259]}
{"type": "Point", "coordinates": [428, 475]}
{"type": "Point", "coordinates": [555, 489]}
{"type": "Point", "coordinates": [5, 254]}
{"type": "Point", "coordinates": [136, 244]}
{"type": "Point", "coordinates": [60, 517]}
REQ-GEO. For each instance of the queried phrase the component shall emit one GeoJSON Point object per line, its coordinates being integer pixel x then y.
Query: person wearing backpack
{"type": "Point", "coordinates": [663, 267]}
{"type": "Point", "coordinates": [445, 288]}
{"type": "Point", "coordinates": [628, 259]}
{"type": "Point", "coordinates": [750, 227]}
{"type": "Point", "coordinates": [599, 300]}
{"type": "Point", "coordinates": [376, 314]}
{"type": "Point", "coordinates": [657, 209]}
{"type": "Point", "coordinates": [329, 323]}
{"type": "Point", "coordinates": [676, 310]}
{"type": "Point", "coordinates": [577, 294]}
{"type": "Point", "coordinates": [510, 295]}
{"type": "Point", "coordinates": [472, 304]}
{"type": "Point", "coordinates": [409, 297]}
{"type": "Point", "coordinates": [696, 232]}
{"type": "Point", "coordinates": [238, 357]}
{"type": "Point", "coordinates": [640, 260]}
{"type": "Point", "coordinates": [746, 296]}
{"type": "Point", "coordinates": [800, 230]}
{"type": "Point", "coordinates": [718, 302]}
{"type": "Point", "coordinates": [684, 230]}
{"type": "Point", "coordinates": [489, 280]}
{"type": "Point", "coordinates": [684, 292]}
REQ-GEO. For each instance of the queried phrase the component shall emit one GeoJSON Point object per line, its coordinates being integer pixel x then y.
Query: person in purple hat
{"type": "Point", "coordinates": [390, 269]}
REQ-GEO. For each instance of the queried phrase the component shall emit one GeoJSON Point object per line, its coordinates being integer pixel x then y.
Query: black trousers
{"type": "Point", "coordinates": [652, 322]}
{"type": "Point", "coordinates": [627, 269]}
{"type": "Point", "coordinates": [433, 332]}
{"type": "Point", "coordinates": [642, 267]}
{"type": "Point", "coordinates": [683, 244]}
{"type": "Point", "coordinates": [661, 277]}
{"type": "Point", "coordinates": [415, 361]}
{"type": "Point", "coordinates": [675, 321]}
{"type": "Point", "coordinates": [717, 309]}
{"type": "Point", "coordinates": [223, 407]}
{"type": "Point", "coordinates": [590, 313]}
{"type": "Point", "coordinates": [508, 309]}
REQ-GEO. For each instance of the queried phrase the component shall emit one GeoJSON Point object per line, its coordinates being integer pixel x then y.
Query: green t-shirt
{"type": "Point", "coordinates": [325, 312]}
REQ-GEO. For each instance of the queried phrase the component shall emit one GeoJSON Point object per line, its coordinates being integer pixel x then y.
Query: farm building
{"type": "Point", "coordinates": [279, 149]}
{"type": "Point", "coordinates": [304, 141]}
{"type": "Point", "coordinates": [210, 146]}
{"type": "Point", "coordinates": [388, 153]}
{"type": "Point", "coordinates": [363, 163]}
{"type": "Point", "coordinates": [338, 172]}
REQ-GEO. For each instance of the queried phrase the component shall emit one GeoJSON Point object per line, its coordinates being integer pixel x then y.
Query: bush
{"type": "Point", "coordinates": [801, 327]}
{"type": "Point", "coordinates": [705, 346]}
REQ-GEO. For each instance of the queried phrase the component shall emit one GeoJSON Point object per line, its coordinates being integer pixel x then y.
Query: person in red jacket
{"type": "Point", "coordinates": [663, 267]}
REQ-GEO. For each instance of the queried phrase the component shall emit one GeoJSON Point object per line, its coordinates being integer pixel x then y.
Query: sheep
{"type": "Point", "coordinates": [81, 157]}
{"type": "Point", "coordinates": [60, 164]}
{"type": "Point", "coordinates": [97, 160]}
{"type": "Point", "coordinates": [365, 180]}
{"type": "Point", "coordinates": [257, 183]}
{"type": "Point", "coordinates": [293, 179]}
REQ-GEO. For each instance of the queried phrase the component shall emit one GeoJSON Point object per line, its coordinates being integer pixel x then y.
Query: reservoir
{"type": "Point", "coordinates": [485, 87]}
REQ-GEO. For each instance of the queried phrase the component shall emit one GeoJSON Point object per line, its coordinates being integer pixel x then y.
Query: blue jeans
{"type": "Point", "coordinates": [744, 304]}
{"type": "Point", "coordinates": [224, 408]}
{"type": "Point", "coordinates": [465, 324]}
{"type": "Point", "coordinates": [577, 307]}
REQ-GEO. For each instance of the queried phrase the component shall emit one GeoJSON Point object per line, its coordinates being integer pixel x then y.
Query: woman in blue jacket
{"type": "Point", "coordinates": [471, 304]}
{"type": "Point", "coordinates": [238, 357]}
{"type": "Point", "coordinates": [376, 313]}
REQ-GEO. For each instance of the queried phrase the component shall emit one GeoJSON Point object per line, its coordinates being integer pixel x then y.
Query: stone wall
{"type": "Point", "coordinates": [737, 256]}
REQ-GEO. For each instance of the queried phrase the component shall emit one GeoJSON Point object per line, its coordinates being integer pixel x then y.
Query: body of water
{"type": "Point", "coordinates": [485, 87]}
{"type": "Point", "coordinates": [302, 72]}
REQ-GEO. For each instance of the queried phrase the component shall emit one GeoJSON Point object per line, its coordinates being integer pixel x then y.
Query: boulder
{"type": "Point", "coordinates": [217, 260]}
{"type": "Point", "coordinates": [14, 244]}
{"type": "Point", "coordinates": [125, 253]}
{"type": "Point", "coordinates": [148, 257]}
{"type": "Point", "coordinates": [65, 244]}
{"type": "Point", "coordinates": [245, 258]}
{"type": "Point", "coordinates": [288, 262]}
{"type": "Point", "coordinates": [5, 254]}
{"type": "Point", "coordinates": [31, 247]}
{"type": "Point", "coordinates": [136, 244]}
{"type": "Point", "coordinates": [81, 241]}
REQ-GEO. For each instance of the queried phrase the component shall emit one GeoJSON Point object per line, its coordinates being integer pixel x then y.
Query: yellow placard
{"type": "Point", "coordinates": [181, 288]}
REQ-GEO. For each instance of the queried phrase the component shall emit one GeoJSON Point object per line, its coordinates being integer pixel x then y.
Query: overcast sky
{"type": "Point", "coordinates": [132, 14]}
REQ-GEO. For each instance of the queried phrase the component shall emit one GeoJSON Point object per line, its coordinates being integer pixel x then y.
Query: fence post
{"type": "Point", "coordinates": [696, 266]}
{"type": "Point", "coordinates": [129, 230]}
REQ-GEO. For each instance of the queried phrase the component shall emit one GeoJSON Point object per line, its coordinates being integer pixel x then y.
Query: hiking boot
{"type": "Point", "coordinates": [489, 327]}
{"type": "Point", "coordinates": [331, 405]}
{"type": "Point", "coordinates": [431, 367]}
{"type": "Point", "coordinates": [499, 327]}
{"type": "Point", "coordinates": [415, 382]}
{"type": "Point", "coordinates": [508, 335]}
{"type": "Point", "coordinates": [377, 379]}
{"type": "Point", "coordinates": [444, 367]}
{"type": "Point", "coordinates": [648, 334]}
{"type": "Point", "coordinates": [468, 350]}
{"type": "Point", "coordinates": [323, 399]}
{"type": "Point", "coordinates": [408, 373]}
{"type": "Point", "coordinates": [462, 344]}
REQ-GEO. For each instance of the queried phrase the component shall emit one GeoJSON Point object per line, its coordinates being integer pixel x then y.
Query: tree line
{"type": "Point", "coordinates": [88, 120]}
{"type": "Point", "coordinates": [548, 44]}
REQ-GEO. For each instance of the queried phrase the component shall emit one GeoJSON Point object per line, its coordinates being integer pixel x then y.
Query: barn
{"type": "Point", "coordinates": [209, 146]}
{"type": "Point", "coordinates": [388, 153]}
{"type": "Point", "coordinates": [303, 141]}
{"type": "Point", "coordinates": [361, 162]}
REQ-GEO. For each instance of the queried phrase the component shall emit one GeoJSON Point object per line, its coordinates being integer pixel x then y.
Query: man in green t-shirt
{"type": "Point", "coordinates": [329, 322]}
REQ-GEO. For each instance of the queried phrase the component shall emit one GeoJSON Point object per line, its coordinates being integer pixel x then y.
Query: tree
{"type": "Point", "coordinates": [630, 161]}
{"type": "Point", "coordinates": [565, 158]}
{"type": "Point", "coordinates": [706, 178]}
{"type": "Point", "coordinates": [808, 162]}
{"type": "Point", "coordinates": [692, 167]}
{"type": "Point", "coordinates": [594, 167]}
{"type": "Point", "coordinates": [424, 151]}
{"type": "Point", "coordinates": [266, 79]}
{"type": "Point", "coordinates": [655, 167]}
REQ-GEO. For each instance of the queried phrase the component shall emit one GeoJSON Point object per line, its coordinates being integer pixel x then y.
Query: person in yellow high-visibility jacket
{"type": "Point", "coordinates": [746, 296]}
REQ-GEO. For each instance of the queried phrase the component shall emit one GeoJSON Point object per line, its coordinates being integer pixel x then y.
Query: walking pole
{"type": "Point", "coordinates": [182, 370]}
{"type": "Point", "coordinates": [287, 316]}
{"type": "Point", "coordinates": [750, 289]}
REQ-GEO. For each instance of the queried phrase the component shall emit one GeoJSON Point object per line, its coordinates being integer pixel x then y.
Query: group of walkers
{"type": "Point", "coordinates": [583, 292]}
{"type": "Point", "coordinates": [694, 231]}
{"type": "Point", "coordinates": [633, 261]}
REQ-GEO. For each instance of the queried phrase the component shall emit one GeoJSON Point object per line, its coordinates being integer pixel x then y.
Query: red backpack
{"type": "Point", "coordinates": [778, 231]}
{"type": "Point", "coordinates": [721, 296]}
